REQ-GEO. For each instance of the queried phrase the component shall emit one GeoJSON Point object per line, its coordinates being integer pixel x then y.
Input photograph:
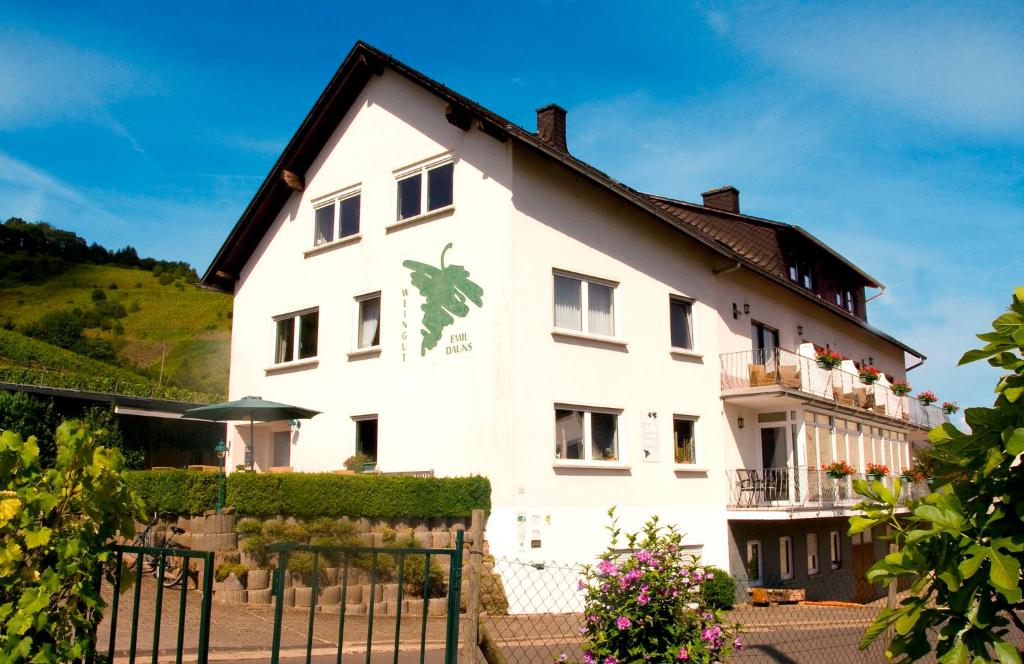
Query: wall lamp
{"type": "Point", "coordinates": [739, 422]}
{"type": "Point", "coordinates": [736, 310]}
{"type": "Point", "coordinates": [295, 423]}
{"type": "Point", "coordinates": [746, 308]}
{"type": "Point", "coordinates": [800, 330]}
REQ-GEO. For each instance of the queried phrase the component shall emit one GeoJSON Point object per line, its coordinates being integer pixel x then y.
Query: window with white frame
{"type": "Point", "coordinates": [680, 312]}
{"type": "Point", "coordinates": [835, 549]}
{"type": "Point", "coordinates": [586, 434]}
{"type": "Point", "coordinates": [684, 437]}
{"type": "Point", "coordinates": [366, 436]}
{"type": "Point", "coordinates": [368, 321]}
{"type": "Point", "coordinates": [755, 563]}
{"type": "Point", "coordinates": [425, 189]}
{"type": "Point", "coordinates": [584, 304]}
{"type": "Point", "coordinates": [336, 218]}
{"type": "Point", "coordinates": [786, 558]}
{"type": "Point", "coordinates": [813, 566]}
{"type": "Point", "coordinates": [296, 336]}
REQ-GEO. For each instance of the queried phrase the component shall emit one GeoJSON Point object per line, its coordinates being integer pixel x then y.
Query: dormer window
{"type": "Point", "coordinates": [800, 273]}
{"type": "Point", "coordinates": [846, 300]}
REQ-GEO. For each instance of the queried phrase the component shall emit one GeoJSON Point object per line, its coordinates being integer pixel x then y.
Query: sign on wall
{"type": "Point", "coordinates": [445, 291]}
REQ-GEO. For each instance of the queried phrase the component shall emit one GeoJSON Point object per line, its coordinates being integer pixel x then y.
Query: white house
{"type": "Point", "coordinates": [460, 295]}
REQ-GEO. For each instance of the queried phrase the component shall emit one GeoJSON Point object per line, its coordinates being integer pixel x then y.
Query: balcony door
{"type": "Point", "coordinates": [765, 341]}
{"type": "Point", "coordinates": [775, 462]}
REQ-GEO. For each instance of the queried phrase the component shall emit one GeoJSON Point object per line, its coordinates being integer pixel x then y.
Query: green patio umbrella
{"type": "Point", "coordinates": [254, 409]}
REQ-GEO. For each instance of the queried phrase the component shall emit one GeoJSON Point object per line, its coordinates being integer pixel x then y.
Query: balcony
{"type": "Point", "coordinates": [777, 370]}
{"type": "Point", "coordinates": [802, 488]}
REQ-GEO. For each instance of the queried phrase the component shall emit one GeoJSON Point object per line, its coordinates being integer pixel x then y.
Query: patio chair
{"type": "Point", "coordinates": [774, 485]}
{"type": "Point", "coordinates": [789, 376]}
{"type": "Point", "coordinates": [758, 375]}
{"type": "Point", "coordinates": [750, 486]}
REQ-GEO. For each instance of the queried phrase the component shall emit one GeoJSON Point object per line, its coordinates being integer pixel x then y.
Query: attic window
{"type": "Point", "coordinates": [800, 273]}
{"type": "Point", "coordinates": [416, 197]}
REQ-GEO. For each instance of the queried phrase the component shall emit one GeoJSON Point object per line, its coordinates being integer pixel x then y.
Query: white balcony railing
{"type": "Point", "coordinates": [777, 367]}
{"type": "Point", "coordinates": [802, 487]}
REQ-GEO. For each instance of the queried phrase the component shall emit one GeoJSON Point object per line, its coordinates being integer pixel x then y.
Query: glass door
{"type": "Point", "coordinates": [775, 462]}
{"type": "Point", "coordinates": [765, 341]}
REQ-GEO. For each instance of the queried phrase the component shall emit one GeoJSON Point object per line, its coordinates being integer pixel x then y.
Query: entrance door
{"type": "Point", "coordinates": [775, 462]}
{"type": "Point", "coordinates": [863, 559]}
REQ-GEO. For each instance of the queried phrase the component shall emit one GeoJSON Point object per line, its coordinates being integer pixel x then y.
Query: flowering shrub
{"type": "Point", "coordinates": [838, 469]}
{"type": "Point", "coordinates": [648, 606]}
{"type": "Point", "coordinates": [900, 388]}
{"type": "Point", "coordinates": [828, 359]}
{"type": "Point", "coordinates": [950, 407]}
{"type": "Point", "coordinates": [927, 397]}
{"type": "Point", "coordinates": [877, 469]}
{"type": "Point", "coordinates": [869, 374]}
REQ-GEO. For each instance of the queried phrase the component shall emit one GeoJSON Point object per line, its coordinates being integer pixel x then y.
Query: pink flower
{"type": "Point", "coordinates": [592, 619]}
{"type": "Point", "coordinates": [738, 644]}
{"type": "Point", "coordinates": [643, 598]}
{"type": "Point", "coordinates": [588, 657]}
{"type": "Point", "coordinates": [608, 567]}
{"type": "Point", "coordinates": [644, 556]}
{"type": "Point", "coordinates": [610, 660]}
{"type": "Point", "coordinates": [683, 654]}
{"type": "Point", "coordinates": [580, 585]}
{"type": "Point", "coordinates": [622, 622]}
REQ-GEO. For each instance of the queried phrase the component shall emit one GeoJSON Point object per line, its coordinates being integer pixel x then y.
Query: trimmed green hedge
{"type": "Point", "coordinates": [311, 495]}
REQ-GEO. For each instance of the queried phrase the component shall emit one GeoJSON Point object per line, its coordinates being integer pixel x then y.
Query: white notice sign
{"type": "Point", "coordinates": [649, 440]}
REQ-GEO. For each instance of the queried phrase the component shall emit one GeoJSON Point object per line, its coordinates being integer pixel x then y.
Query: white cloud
{"type": "Point", "coordinates": [45, 81]}
{"type": "Point", "coordinates": [956, 64]}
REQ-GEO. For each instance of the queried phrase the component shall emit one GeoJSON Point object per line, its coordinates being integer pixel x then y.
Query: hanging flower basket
{"type": "Point", "coordinates": [869, 375]}
{"type": "Point", "coordinates": [950, 407]}
{"type": "Point", "coordinates": [927, 397]}
{"type": "Point", "coordinates": [828, 359]}
{"type": "Point", "coordinates": [900, 388]}
{"type": "Point", "coordinates": [837, 470]}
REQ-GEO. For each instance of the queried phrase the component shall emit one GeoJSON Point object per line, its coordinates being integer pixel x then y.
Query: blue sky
{"type": "Point", "coordinates": [894, 132]}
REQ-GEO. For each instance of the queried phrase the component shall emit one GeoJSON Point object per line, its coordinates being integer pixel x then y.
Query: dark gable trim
{"type": "Point", "coordinates": [360, 65]}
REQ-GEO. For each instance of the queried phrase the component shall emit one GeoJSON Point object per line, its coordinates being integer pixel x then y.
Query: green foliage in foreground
{"type": "Point", "coordinates": [312, 495]}
{"type": "Point", "coordinates": [55, 528]}
{"type": "Point", "coordinates": [962, 546]}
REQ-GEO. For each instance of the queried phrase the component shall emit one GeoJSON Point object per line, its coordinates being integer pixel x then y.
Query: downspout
{"type": "Point", "coordinates": [880, 293]}
{"type": "Point", "coordinates": [726, 270]}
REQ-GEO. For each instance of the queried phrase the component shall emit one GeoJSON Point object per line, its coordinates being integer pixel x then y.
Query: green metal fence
{"type": "Point", "coordinates": [172, 569]}
{"type": "Point", "coordinates": [381, 564]}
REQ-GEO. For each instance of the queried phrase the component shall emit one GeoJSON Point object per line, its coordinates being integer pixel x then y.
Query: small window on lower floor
{"type": "Point", "coordinates": [755, 569]}
{"type": "Point", "coordinates": [366, 436]}
{"type": "Point", "coordinates": [812, 553]}
{"type": "Point", "coordinates": [685, 441]}
{"type": "Point", "coordinates": [368, 334]}
{"type": "Point", "coordinates": [586, 435]}
{"type": "Point", "coordinates": [786, 558]}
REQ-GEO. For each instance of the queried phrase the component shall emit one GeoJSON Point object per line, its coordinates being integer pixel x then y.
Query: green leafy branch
{"type": "Point", "coordinates": [445, 291]}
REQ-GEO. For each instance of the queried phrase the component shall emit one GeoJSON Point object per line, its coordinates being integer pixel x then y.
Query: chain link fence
{"type": "Point", "coordinates": [534, 613]}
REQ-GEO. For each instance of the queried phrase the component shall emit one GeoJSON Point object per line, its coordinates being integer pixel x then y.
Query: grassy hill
{"type": "Point", "coordinates": [171, 332]}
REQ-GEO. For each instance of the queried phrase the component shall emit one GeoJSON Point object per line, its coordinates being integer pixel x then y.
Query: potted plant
{"type": "Point", "coordinates": [869, 374]}
{"type": "Point", "coordinates": [950, 407]}
{"type": "Point", "coordinates": [358, 462]}
{"type": "Point", "coordinates": [837, 470]}
{"type": "Point", "coordinates": [876, 471]}
{"type": "Point", "coordinates": [901, 388]}
{"type": "Point", "coordinates": [913, 474]}
{"type": "Point", "coordinates": [927, 397]}
{"type": "Point", "coordinates": [828, 359]}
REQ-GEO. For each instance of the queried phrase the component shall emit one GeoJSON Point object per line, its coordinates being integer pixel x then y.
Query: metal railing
{"type": "Point", "coordinates": [132, 564]}
{"type": "Point", "coordinates": [782, 368]}
{"type": "Point", "coordinates": [383, 564]}
{"type": "Point", "coordinates": [802, 487]}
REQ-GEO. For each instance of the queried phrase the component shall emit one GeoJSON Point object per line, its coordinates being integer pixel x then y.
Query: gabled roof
{"type": "Point", "coordinates": [749, 241]}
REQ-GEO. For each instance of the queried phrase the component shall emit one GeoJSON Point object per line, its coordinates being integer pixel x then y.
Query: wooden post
{"type": "Point", "coordinates": [471, 635]}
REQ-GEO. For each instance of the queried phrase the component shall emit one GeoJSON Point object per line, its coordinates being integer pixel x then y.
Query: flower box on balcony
{"type": "Point", "coordinates": [828, 359]}
{"type": "Point", "coordinates": [900, 389]}
{"type": "Point", "coordinates": [869, 375]}
{"type": "Point", "coordinates": [927, 397]}
{"type": "Point", "coordinates": [838, 470]}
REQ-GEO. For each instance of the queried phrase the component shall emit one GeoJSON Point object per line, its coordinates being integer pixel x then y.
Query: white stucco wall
{"type": "Point", "coordinates": [490, 411]}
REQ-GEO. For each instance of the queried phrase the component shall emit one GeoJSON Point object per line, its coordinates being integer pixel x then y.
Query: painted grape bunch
{"type": "Point", "coordinates": [445, 291]}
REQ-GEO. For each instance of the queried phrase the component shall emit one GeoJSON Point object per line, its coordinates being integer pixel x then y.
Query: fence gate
{"type": "Point", "coordinates": [172, 569]}
{"type": "Point", "coordinates": [404, 598]}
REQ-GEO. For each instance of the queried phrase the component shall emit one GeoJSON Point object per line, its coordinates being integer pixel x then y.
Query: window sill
{"type": "Point", "coordinates": [372, 351]}
{"type": "Point", "coordinates": [334, 244]}
{"type": "Point", "coordinates": [689, 468]}
{"type": "Point", "coordinates": [426, 216]}
{"type": "Point", "coordinates": [584, 336]}
{"type": "Point", "coordinates": [591, 465]}
{"type": "Point", "coordinates": [686, 353]}
{"type": "Point", "coordinates": [296, 365]}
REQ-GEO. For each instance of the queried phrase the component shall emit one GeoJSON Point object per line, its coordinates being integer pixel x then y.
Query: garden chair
{"type": "Point", "coordinates": [750, 487]}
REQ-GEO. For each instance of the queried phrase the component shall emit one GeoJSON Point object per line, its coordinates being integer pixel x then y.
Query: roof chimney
{"type": "Point", "coordinates": [551, 126]}
{"type": "Point", "coordinates": [724, 198]}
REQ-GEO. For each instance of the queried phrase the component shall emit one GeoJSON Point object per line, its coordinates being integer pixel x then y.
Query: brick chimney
{"type": "Point", "coordinates": [551, 126]}
{"type": "Point", "coordinates": [724, 198]}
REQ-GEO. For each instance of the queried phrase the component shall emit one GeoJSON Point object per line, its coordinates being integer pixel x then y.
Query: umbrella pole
{"type": "Point", "coordinates": [252, 444]}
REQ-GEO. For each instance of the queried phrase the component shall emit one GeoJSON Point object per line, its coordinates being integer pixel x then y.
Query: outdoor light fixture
{"type": "Point", "coordinates": [800, 330]}
{"type": "Point", "coordinates": [221, 450]}
{"type": "Point", "coordinates": [746, 308]}
{"type": "Point", "coordinates": [739, 422]}
{"type": "Point", "coordinates": [295, 423]}
{"type": "Point", "coordinates": [735, 311]}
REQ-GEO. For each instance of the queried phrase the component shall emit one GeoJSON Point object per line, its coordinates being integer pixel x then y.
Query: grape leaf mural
{"type": "Point", "coordinates": [445, 291]}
